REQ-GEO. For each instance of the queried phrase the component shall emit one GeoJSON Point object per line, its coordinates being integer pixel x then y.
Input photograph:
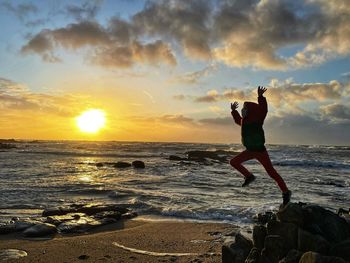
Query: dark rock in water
{"type": "Point", "coordinates": [310, 242]}
{"type": "Point", "coordinates": [201, 155]}
{"type": "Point", "coordinates": [342, 250]}
{"type": "Point", "coordinates": [293, 256]}
{"type": "Point", "coordinates": [274, 248]}
{"type": "Point", "coordinates": [291, 213]}
{"type": "Point", "coordinates": [176, 158]}
{"type": "Point", "coordinates": [24, 224]}
{"type": "Point", "coordinates": [138, 164]}
{"type": "Point", "coordinates": [313, 257]}
{"type": "Point", "coordinates": [129, 215]}
{"type": "Point", "coordinates": [332, 227]}
{"type": "Point", "coordinates": [108, 214]}
{"type": "Point", "coordinates": [259, 234]}
{"type": "Point", "coordinates": [122, 165]}
{"type": "Point", "coordinates": [56, 211]}
{"type": "Point", "coordinates": [287, 231]}
{"type": "Point", "coordinates": [7, 229]}
{"type": "Point", "coordinates": [79, 225]}
{"type": "Point", "coordinates": [8, 254]}
{"type": "Point", "coordinates": [238, 250]}
{"type": "Point", "coordinates": [56, 220]}
{"type": "Point", "coordinates": [99, 164]}
{"type": "Point", "coordinates": [38, 230]}
{"type": "Point", "coordinates": [93, 209]}
{"type": "Point", "coordinates": [253, 256]}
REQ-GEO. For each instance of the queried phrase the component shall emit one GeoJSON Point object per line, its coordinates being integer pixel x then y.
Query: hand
{"type": "Point", "coordinates": [234, 106]}
{"type": "Point", "coordinates": [261, 90]}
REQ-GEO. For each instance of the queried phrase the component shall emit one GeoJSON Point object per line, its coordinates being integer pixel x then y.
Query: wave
{"type": "Point", "coordinates": [313, 163]}
{"type": "Point", "coordinates": [85, 154]}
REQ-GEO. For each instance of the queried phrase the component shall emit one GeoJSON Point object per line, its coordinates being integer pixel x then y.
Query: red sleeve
{"type": "Point", "coordinates": [262, 105]}
{"type": "Point", "coordinates": [236, 117]}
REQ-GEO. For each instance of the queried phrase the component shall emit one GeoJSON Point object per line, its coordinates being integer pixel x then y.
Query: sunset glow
{"type": "Point", "coordinates": [91, 121]}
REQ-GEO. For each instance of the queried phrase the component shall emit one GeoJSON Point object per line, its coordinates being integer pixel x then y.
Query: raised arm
{"type": "Point", "coordinates": [237, 118]}
{"type": "Point", "coordinates": [262, 101]}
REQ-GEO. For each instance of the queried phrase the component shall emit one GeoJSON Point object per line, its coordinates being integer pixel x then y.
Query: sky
{"type": "Point", "coordinates": [168, 70]}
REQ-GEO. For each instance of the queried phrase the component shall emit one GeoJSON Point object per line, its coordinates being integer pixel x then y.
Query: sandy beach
{"type": "Point", "coordinates": [136, 240]}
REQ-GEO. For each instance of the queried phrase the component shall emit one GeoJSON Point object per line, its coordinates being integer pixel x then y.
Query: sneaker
{"type": "Point", "coordinates": [248, 180]}
{"type": "Point", "coordinates": [286, 197]}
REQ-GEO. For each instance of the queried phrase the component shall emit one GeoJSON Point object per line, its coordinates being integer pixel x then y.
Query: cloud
{"type": "Point", "coordinates": [87, 10]}
{"type": "Point", "coordinates": [20, 10]}
{"type": "Point", "coordinates": [195, 76]}
{"type": "Point", "coordinates": [107, 51]}
{"type": "Point", "coordinates": [179, 97]}
{"type": "Point", "coordinates": [337, 111]}
{"type": "Point", "coordinates": [241, 33]}
{"type": "Point", "coordinates": [227, 95]}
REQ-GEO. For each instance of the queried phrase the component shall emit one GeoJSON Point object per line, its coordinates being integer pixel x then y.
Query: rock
{"type": "Point", "coordinates": [201, 155]}
{"type": "Point", "coordinates": [79, 225]}
{"type": "Point", "coordinates": [259, 234]}
{"type": "Point", "coordinates": [83, 257]}
{"type": "Point", "coordinates": [287, 231]}
{"type": "Point", "coordinates": [56, 220]}
{"type": "Point", "coordinates": [38, 230]}
{"type": "Point", "coordinates": [313, 257]}
{"type": "Point", "coordinates": [274, 248]}
{"type": "Point", "coordinates": [7, 229]}
{"type": "Point", "coordinates": [24, 224]}
{"type": "Point", "coordinates": [138, 164]}
{"type": "Point", "coordinates": [8, 254]}
{"type": "Point", "coordinates": [53, 211]}
{"type": "Point", "coordinates": [332, 227]}
{"type": "Point", "coordinates": [264, 218]}
{"type": "Point", "coordinates": [253, 256]}
{"type": "Point", "coordinates": [293, 256]}
{"type": "Point", "coordinates": [93, 209]}
{"type": "Point", "coordinates": [99, 164]}
{"type": "Point", "coordinates": [342, 250]}
{"type": "Point", "coordinates": [108, 214]}
{"type": "Point", "coordinates": [227, 254]}
{"type": "Point", "coordinates": [236, 251]}
{"type": "Point", "coordinates": [311, 242]}
{"type": "Point", "coordinates": [176, 158]}
{"type": "Point", "coordinates": [291, 213]}
{"type": "Point", "coordinates": [129, 215]}
{"type": "Point", "coordinates": [122, 165]}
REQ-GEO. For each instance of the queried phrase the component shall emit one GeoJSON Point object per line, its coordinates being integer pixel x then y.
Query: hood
{"type": "Point", "coordinates": [254, 113]}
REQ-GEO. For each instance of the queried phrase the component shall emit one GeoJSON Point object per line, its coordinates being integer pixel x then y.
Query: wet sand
{"type": "Point", "coordinates": [128, 241]}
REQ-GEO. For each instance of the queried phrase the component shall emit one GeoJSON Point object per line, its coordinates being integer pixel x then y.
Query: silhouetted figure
{"type": "Point", "coordinates": [253, 138]}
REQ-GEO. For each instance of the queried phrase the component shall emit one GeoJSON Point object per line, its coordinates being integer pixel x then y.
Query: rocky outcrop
{"type": "Point", "coordinates": [296, 233]}
{"type": "Point", "coordinates": [138, 164]}
{"type": "Point", "coordinates": [75, 218]}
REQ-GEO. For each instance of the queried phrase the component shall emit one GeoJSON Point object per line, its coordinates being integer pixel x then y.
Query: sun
{"type": "Point", "coordinates": [91, 121]}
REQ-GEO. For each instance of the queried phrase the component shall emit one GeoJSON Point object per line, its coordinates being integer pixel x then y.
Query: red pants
{"type": "Point", "coordinates": [264, 159]}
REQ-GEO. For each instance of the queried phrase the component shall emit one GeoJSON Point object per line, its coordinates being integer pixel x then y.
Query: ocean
{"type": "Point", "coordinates": [40, 174]}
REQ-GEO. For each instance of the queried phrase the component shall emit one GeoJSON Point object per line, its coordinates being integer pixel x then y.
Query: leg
{"type": "Point", "coordinates": [264, 159]}
{"type": "Point", "coordinates": [237, 161]}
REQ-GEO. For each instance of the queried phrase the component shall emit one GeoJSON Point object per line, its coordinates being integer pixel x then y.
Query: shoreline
{"type": "Point", "coordinates": [130, 240]}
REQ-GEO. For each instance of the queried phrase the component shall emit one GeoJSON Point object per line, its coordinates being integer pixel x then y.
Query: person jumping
{"type": "Point", "coordinates": [253, 138]}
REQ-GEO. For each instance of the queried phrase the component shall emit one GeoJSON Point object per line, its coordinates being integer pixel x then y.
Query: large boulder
{"type": "Point", "coordinates": [342, 250]}
{"type": "Point", "coordinates": [93, 209]}
{"type": "Point", "coordinates": [39, 230]}
{"type": "Point", "coordinates": [79, 225]}
{"type": "Point", "coordinates": [253, 256]}
{"type": "Point", "coordinates": [293, 256]}
{"type": "Point", "coordinates": [275, 248]}
{"type": "Point", "coordinates": [23, 224]}
{"type": "Point", "coordinates": [311, 242]}
{"type": "Point", "coordinates": [237, 251]}
{"type": "Point", "coordinates": [332, 227]}
{"type": "Point", "coordinates": [291, 213]}
{"type": "Point", "coordinates": [259, 234]}
{"type": "Point", "coordinates": [313, 257]}
{"type": "Point", "coordinates": [176, 158]}
{"type": "Point", "coordinates": [7, 229]}
{"type": "Point", "coordinates": [287, 231]}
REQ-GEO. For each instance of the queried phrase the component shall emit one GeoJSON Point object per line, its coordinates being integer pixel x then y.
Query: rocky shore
{"type": "Point", "coordinates": [296, 233]}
